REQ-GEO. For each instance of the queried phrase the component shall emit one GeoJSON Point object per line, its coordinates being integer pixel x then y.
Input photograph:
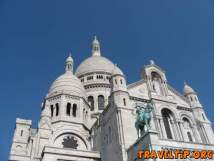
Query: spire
{"type": "Point", "coordinates": [95, 47]}
{"type": "Point", "coordinates": [69, 64]}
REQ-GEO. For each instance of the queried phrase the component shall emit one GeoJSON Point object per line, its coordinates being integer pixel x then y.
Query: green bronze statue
{"type": "Point", "coordinates": [143, 118]}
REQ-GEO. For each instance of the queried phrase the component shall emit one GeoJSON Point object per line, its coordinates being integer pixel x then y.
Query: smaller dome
{"type": "Point", "coordinates": [67, 83]}
{"type": "Point", "coordinates": [188, 89]}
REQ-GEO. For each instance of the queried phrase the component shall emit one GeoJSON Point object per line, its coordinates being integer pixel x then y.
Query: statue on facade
{"type": "Point", "coordinates": [143, 118]}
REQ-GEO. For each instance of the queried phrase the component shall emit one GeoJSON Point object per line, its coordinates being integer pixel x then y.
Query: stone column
{"type": "Point", "coordinates": [62, 107]}
{"type": "Point", "coordinates": [204, 133]}
{"type": "Point", "coordinates": [96, 103]}
{"type": "Point", "coordinates": [195, 136]}
{"type": "Point", "coordinates": [174, 130]}
{"type": "Point", "coordinates": [180, 130]}
{"type": "Point", "coordinates": [163, 128]}
{"type": "Point", "coordinates": [159, 128]}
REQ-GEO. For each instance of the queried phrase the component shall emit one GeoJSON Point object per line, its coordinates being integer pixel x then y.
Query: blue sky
{"type": "Point", "coordinates": [36, 36]}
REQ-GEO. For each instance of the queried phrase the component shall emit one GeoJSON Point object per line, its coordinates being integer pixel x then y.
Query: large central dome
{"type": "Point", "coordinates": [96, 63]}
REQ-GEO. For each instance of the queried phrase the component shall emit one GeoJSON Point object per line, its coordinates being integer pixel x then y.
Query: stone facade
{"type": "Point", "coordinates": [91, 115]}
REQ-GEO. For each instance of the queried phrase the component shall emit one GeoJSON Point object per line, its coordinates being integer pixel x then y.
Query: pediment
{"type": "Point", "coordinates": [138, 89]}
{"type": "Point", "coordinates": [178, 97]}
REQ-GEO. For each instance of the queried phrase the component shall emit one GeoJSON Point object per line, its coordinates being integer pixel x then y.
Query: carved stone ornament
{"type": "Point", "coordinates": [70, 142]}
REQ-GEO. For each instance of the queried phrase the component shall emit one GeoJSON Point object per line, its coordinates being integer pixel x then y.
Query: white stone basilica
{"type": "Point", "coordinates": [90, 116]}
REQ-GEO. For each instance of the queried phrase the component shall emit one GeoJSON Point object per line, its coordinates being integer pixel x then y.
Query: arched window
{"type": "Point", "coordinates": [186, 123]}
{"type": "Point", "coordinates": [157, 83]}
{"type": "Point", "coordinates": [121, 81]}
{"type": "Point", "coordinates": [74, 111]}
{"type": "Point", "coordinates": [57, 109]}
{"type": "Point", "coordinates": [191, 98]}
{"type": "Point", "coordinates": [52, 110]}
{"type": "Point", "coordinates": [167, 116]}
{"type": "Point", "coordinates": [187, 128]}
{"type": "Point", "coordinates": [189, 136]}
{"type": "Point", "coordinates": [124, 101]}
{"type": "Point", "coordinates": [68, 109]}
{"type": "Point", "coordinates": [91, 102]}
{"type": "Point", "coordinates": [101, 102]}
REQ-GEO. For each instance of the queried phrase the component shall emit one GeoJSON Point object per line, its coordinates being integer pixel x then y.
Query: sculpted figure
{"type": "Point", "coordinates": [143, 118]}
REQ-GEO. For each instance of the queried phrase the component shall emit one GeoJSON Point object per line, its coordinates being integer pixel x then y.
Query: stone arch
{"type": "Point", "coordinates": [159, 108]}
{"type": "Point", "coordinates": [75, 133]}
{"type": "Point", "coordinates": [157, 83]}
{"type": "Point", "coordinates": [187, 129]}
{"type": "Point", "coordinates": [168, 119]}
{"type": "Point", "coordinates": [185, 115]}
{"type": "Point", "coordinates": [158, 72]}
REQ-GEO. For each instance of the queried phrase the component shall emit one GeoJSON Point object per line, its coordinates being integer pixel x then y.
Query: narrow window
{"type": "Point", "coordinates": [68, 109]}
{"type": "Point", "coordinates": [21, 132]}
{"type": "Point", "coordinates": [101, 102]}
{"type": "Point", "coordinates": [121, 81]}
{"type": "Point", "coordinates": [124, 101]}
{"type": "Point", "coordinates": [166, 117]}
{"type": "Point", "coordinates": [189, 136]}
{"type": "Point", "coordinates": [91, 102]}
{"type": "Point", "coordinates": [57, 109]}
{"type": "Point", "coordinates": [115, 81]}
{"type": "Point", "coordinates": [74, 111]}
{"type": "Point", "coordinates": [52, 110]}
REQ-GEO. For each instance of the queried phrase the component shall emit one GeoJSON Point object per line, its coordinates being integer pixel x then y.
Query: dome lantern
{"type": "Point", "coordinates": [69, 64]}
{"type": "Point", "coordinates": [95, 47]}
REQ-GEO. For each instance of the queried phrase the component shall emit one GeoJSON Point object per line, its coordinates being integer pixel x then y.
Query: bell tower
{"type": "Point", "coordinates": [203, 124]}
{"type": "Point", "coordinates": [117, 121]}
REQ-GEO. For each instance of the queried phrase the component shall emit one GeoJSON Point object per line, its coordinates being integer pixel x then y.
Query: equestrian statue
{"type": "Point", "coordinates": [143, 118]}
